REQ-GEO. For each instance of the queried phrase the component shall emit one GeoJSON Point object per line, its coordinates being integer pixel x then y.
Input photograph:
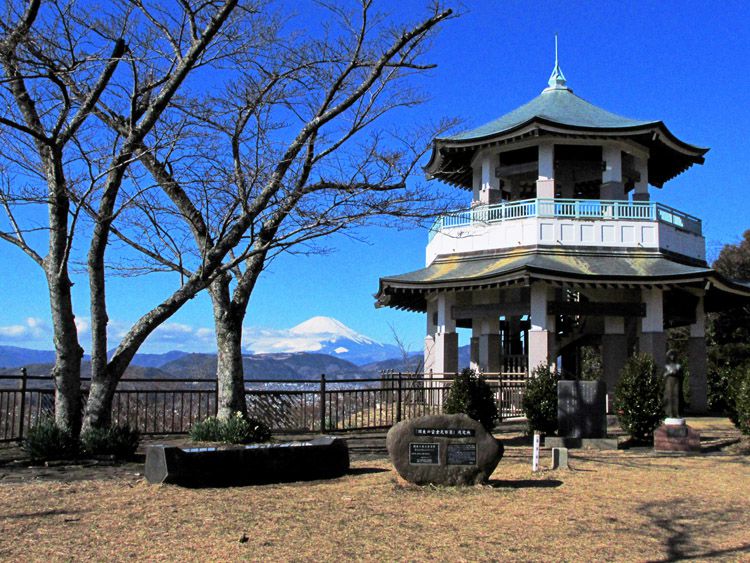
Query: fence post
{"type": "Point", "coordinates": [322, 403]}
{"type": "Point", "coordinates": [23, 403]}
{"type": "Point", "coordinates": [398, 399]}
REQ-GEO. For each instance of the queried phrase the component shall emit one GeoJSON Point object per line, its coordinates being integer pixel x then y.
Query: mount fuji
{"type": "Point", "coordinates": [322, 335]}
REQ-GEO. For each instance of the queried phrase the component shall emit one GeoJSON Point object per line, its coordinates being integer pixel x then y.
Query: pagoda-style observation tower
{"type": "Point", "coordinates": [563, 246]}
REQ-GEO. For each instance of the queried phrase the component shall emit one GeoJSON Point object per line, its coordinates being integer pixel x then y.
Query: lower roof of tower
{"type": "Point", "coordinates": [594, 268]}
{"type": "Point", "coordinates": [558, 112]}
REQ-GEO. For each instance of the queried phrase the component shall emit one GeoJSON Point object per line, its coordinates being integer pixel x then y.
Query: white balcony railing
{"type": "Point", "coordinates": [569, 209]}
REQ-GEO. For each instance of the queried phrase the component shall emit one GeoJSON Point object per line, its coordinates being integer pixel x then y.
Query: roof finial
{"type": "Point", "coordinates": [557, 78]}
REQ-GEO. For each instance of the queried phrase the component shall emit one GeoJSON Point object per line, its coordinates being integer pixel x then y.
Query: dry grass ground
{"type": "Point", "coordinates": [618, 505]}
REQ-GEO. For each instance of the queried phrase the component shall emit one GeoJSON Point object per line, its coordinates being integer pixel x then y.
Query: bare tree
{"type": "Point", "coordinates": [334, 171]}
{"type": "Point", "coordinates": [58, 63]}
{"type": "Point", "coordinates": [260, 157]}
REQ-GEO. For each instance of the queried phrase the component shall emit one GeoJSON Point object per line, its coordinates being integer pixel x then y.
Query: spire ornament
{"type": "Point", "coordinates": [557, 78]}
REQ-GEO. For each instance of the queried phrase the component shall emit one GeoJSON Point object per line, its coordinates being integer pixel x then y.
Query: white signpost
{"type": "Point", "coordinates": [535, 457]}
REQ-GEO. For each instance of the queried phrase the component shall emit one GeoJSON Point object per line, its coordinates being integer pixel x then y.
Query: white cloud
{"type": "Point", "coordinates": [32, 328]}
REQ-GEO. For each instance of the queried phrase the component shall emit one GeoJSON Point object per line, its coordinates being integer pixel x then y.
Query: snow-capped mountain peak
{"type": "Point", "coordinates": [323, 335]}
{"type": "Point", "coordinates": [331, 328]}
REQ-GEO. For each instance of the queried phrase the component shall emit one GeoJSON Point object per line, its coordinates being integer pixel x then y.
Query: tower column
{"type": "Point", "coordinates": [614, 351]}
{"type": "Point", "coordinates": [476, 330]}
{"type": "Point", "coordinates": [612, 186]}
{"type": "Point", "coordinates": [441, 343]}
{"type": "Point", "coordinates": [542, 328]}
{"type": "Point", "coordinates": [697, 360]}
{"type": "Point", "coordinates": [489, 345]}
{"type": "Point", "coordinates": [545, 184]}
{"type": "Point", "coordinates": [641, 186]}
{"type": "Point", "coordinates": [490, 187]}
{"type": "Point", "coordinates": [652, 339]}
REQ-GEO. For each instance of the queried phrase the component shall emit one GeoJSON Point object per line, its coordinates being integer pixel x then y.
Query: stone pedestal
{"type": "Point", "coordinates": [676, 436]}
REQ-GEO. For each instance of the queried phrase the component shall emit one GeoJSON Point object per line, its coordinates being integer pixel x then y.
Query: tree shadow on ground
{"type": "Point", "coordinates": [524, 483]}
{"type": "Point", "coordinates": [516, 441]}
{"type": "Point", "coordinates": [366, 470]}
{"type": "Point", "coordinates": [685, 529]}
{"type": "Point", "coordinates": [42, 514]}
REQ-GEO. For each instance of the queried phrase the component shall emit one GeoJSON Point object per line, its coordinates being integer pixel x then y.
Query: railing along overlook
{"type": "Point", "coordinates": [568, 209]}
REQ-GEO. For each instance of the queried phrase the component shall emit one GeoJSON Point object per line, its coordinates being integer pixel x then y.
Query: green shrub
{"type": "Point", "coordinates": [46, 441]}
{"type": "Point", "coordinates": [738, 400]}
{"type": "Point", "coordinates": [472, 396]}
{"type": "Point", "coordinates": [119, 441]}
{"type": "Point", "coordinates": [639, 397]}
{"type": "Point", "coordinates": [540, 401]}
{"type": "Point", "coordinates": [237, 429]}
{"type": "Point", "coordinates": [719, 389]}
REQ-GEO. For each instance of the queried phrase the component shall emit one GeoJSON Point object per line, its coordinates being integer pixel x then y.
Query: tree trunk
{"type": "Point", "coordinates": [229, 372]}
{"type": "Point", "coordinates": [99, 403]}
{"type": "Point", "coordinates": [68, 353]}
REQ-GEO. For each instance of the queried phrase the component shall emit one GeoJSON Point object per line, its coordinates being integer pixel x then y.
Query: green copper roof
{"type": "Point", "coordinates": [556, 104]}
{"type": "Point", "coordinates": [460, 272]}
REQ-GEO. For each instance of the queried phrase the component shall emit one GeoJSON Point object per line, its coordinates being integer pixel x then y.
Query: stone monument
{"type": "Point", "coordinates": [450, 449]}
{"type": "Point", "coordinates": [581, 416]}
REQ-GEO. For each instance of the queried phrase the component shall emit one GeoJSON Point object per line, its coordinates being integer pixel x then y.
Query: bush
{"type": "Point", "coordinates": [472, 396]}
{"type": "Point", "coordinates": [738, 398]}
{"type": "Point", "coordinates": [719, 390]}
{"type": "Point", "coordinates": [639, 397]}
{"type": "Point", "coordinates": [119, 441]}
{"type": "Point", "coordinates": [237, 429]}
{"type": "Point", "coordinates": [46, 441]}
{"type": "Point", "coordinates": [742, 405]}
{"type": "Point", "coordinates": [540, 401]}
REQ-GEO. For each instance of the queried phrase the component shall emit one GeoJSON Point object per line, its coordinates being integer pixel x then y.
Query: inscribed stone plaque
{"type": "Point", "coordinates": [461, 454]}
{"type": "Point", "coordinates": [677, 431]}
{"type": "Point", "coordinates": [445, 432]}
{"type": "Point", "coordinates": [450, 449]}
{"type": "Point", "coordinates": [424, 454]}
{"type": "Point", "coordinates": [582, 409]}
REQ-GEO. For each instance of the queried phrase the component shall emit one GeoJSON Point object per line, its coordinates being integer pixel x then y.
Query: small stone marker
{"type": "Point", "coordinates": [559, 458]}
{"type": "Point", "coordinates": [450, 449]}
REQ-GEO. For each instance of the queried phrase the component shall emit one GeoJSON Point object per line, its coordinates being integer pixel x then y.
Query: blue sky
{"type": "Point", "coordinates": [682, 62]}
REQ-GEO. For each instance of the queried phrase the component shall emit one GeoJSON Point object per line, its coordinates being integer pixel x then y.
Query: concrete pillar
{"type": "Point", "coordinates": [429, 354]}
{"type": "Point", "coordinates": [490, 190]}
{"type": "Point", "coordinates": [652, 339]}
{"type": "Point", "coordinates": [489, 345]}
{"type": "Point", "coordinates": [612, 185]}
{"type": "Point", "coordinates": [697, 362]}
{"type": "Point", "coordinates": [545, 184]}
{"type": "Point", "coordinates": [640, 193]}
{"type": "Point", "coordinates": [614, 352]}
{"type": "Point", "coordinates": [476, 330]}
{"type": "Point", "coordinates": [446, 352]}
{"type": "Point", "coordinates": [445, 348]}
{"type": "Point", "coordinates": [476, 183]}
{"type": "Point", "coordinates": [515, 345]}
{"type": "Point", "coordinates": [542, 328]}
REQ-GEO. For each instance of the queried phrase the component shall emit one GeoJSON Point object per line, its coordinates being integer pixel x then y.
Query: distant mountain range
{"type": "Point", "coordinates": [319, 345]}
{"type": "Point", "coordinates": [297, 366]}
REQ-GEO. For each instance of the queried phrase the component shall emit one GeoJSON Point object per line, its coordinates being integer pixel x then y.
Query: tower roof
{"type": "Point", "coordinates": [558, 113]}
{"type": "Point", "coordinates": [556, 104]}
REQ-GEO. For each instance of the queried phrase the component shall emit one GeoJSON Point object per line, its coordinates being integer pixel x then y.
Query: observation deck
{"type": "Point", "coordinates": [615, 224]}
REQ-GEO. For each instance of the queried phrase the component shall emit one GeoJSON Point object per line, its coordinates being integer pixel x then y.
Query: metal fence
{"type": "Point", "coordinates": [171, 406]}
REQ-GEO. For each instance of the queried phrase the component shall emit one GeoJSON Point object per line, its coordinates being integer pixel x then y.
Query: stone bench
{"type": "Point", "coordinates": [322, 458]}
